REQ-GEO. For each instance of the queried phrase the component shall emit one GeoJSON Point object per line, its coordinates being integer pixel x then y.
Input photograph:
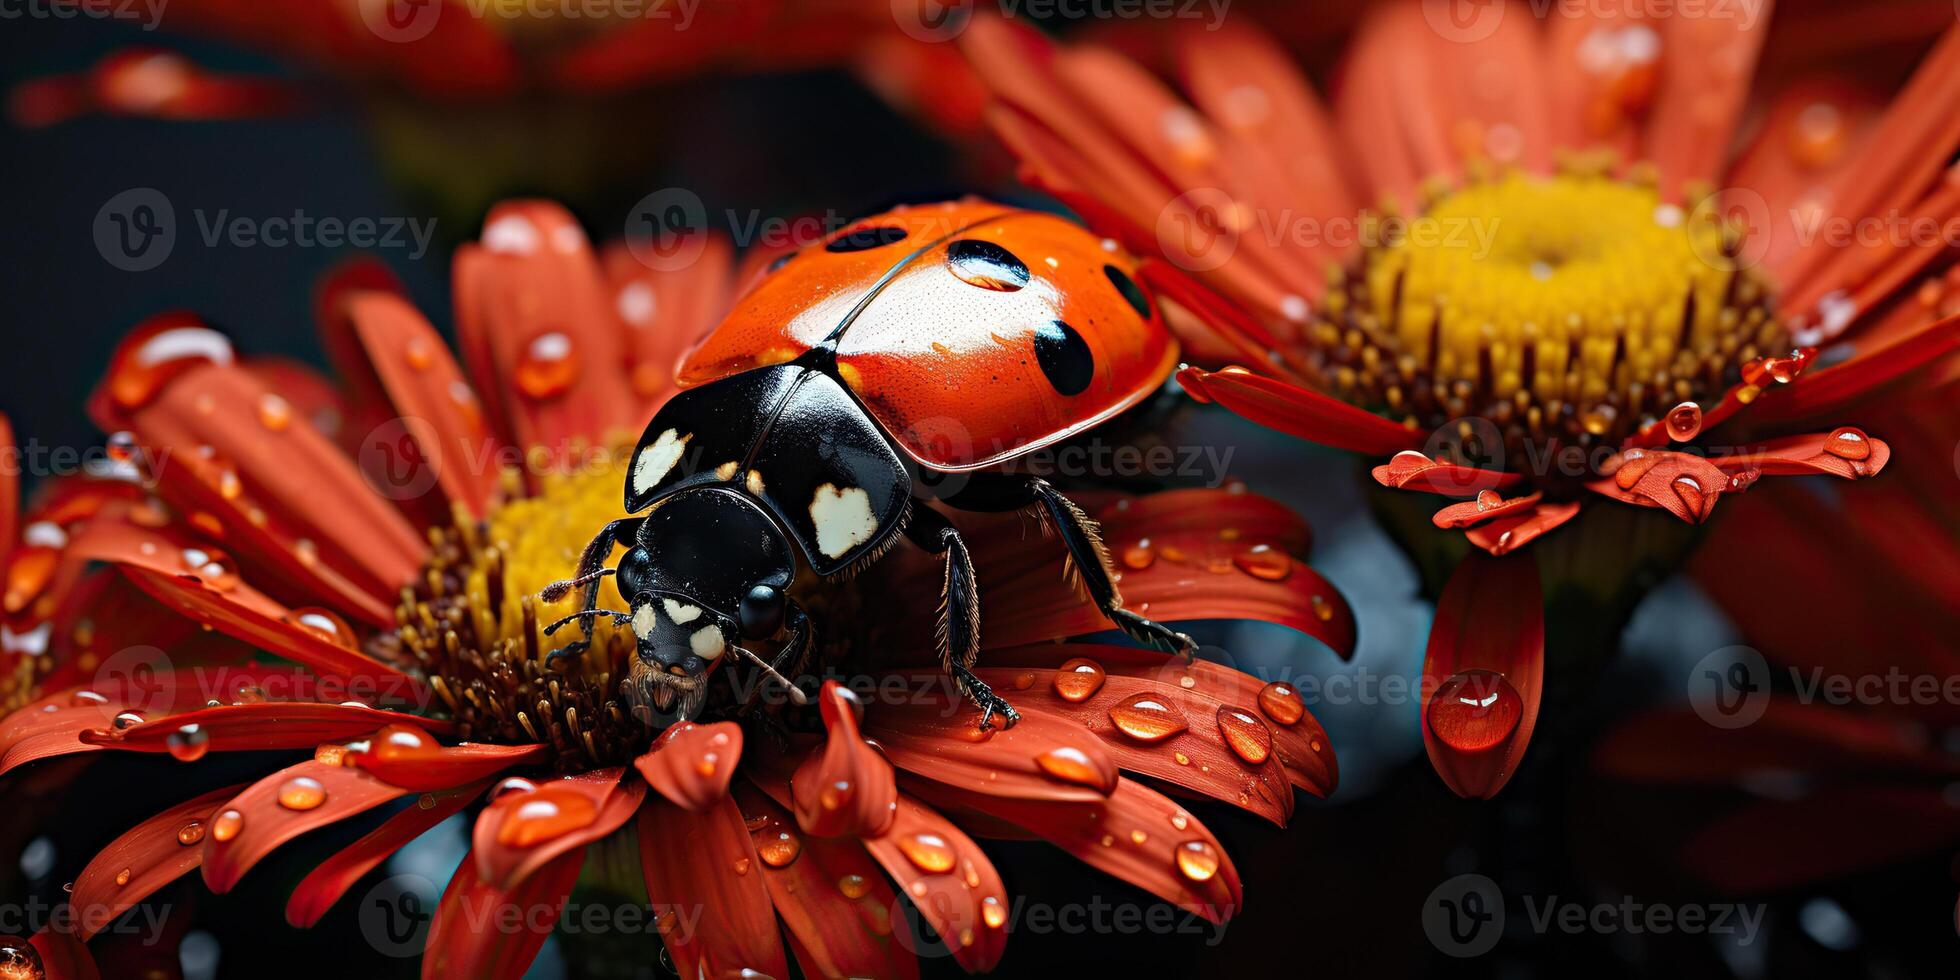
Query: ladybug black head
{"type": "Point", "coordinates": [710, 570]}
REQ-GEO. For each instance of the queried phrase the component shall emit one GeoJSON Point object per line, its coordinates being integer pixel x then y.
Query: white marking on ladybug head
{"type": "Point", "coordinates": [726, 471]}
{"type": "Point", "coordinates": [755, 482]}
{"type": "Point", "coordinates": [644, 620]}
{"type": "Point", "coordinates": [656, 460]}
{"type": "Point", "coordinates": [681, 612]}
{"type": "Point", "coordinates": [843, 518]}
{"type": "Point", "coordinates": [707, 642]}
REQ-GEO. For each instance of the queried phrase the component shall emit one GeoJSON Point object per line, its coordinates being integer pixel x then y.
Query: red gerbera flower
{"type": "Point", "coordinates": [1524, 323]}
{"type": "Point", "coordinates": [373, 601]}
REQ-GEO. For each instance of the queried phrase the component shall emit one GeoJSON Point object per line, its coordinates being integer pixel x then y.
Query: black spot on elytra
{"type": "Point", "coordinates": [1132, 292]}
{"type": "Point", "coordinates": [860, 239]}
{"type": "Point", "coordinates": [1064, 357]}
{"type": "Point", "coordinates": [987, 265]}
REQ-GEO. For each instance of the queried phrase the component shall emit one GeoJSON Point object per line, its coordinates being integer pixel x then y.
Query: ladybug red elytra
{"type": "Point", "coordinates": [954, 336]}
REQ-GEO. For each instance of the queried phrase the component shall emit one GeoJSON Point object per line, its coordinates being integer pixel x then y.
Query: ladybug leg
{"type": "Point", "coordinates": [794, 656]}
{"type": "Point", "coordinates": [1089, 566]}
{"type": "Point", "coordinates": [959, 612]}
{"type": "Point", "coordinates": [591, 569]}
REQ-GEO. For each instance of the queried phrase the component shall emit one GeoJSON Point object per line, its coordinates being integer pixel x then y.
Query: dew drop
{"type": "Point", "coordinates": [128, 719]}
{"type": "Point", "coordinates": [86, 699]}
{"type": "Point", "coordinates": [211, 567]}
{"type": "Point", "coordinates": [1684, 422]}
{"type": "Point", "coordinates": [1282, 703]}
{"type": "Point", "coordinates": [1248, 737]}
{"type": "Point", "coordinates": [1628, 467]}
{"type": "Point", "coordinates": [122, 877]}
{"type": "Point", "coordinates": [513, 784]}
{"type": "Point", "coordinates": [1146, 718]}
{"type": "Point", "coordinates": [548, 366]}
{"type": "Point", "coordinates": [325, 624]}
{"type": "Point", "coordinates": [227, 825]}
{"type": "Point", "coordinates": [1322, 609]}
{"type": "Point", "coordinates": [1848, 443]}
{"type": "Point", "coordinates": [121, 446]}
{"type": "Point", "coordinates": [1475, 710]}
{"type": "Point", "coordinates": [778, 848]}
{"type": "Point", "coordinates": [191, 833]}
{"type": "Point", "coordinates": [546, 813]}
{"type": "Point", "coordinates": [153, 355]}
{"type": "Point", "coordinates": [1691, 493]}
{"type": "Point", "coordinates": [1070, 764]}
{"type": "Point", "coordinates": [20, 959]}
{"type": "Point", "coordinates": [188, 743]}
{"type": "Point", "coordinates": [419, 353]}
{"type": "Point", "coordinates": [1138, 837]}
{"type": "Point", "coordinates": [928, 852]}
{"type": "Point", "coordinates": [275, 413]}
{"type": "Point", "coordinates": [1023, 680]}
{"type": "Point", "coordinates": [1488, 500]}
{"type": "Point", "coordinates": [302, 793]}
{"type": "Point", "coordinates": [1139, 556]}
{"type": "Point", "coordinates": [1078, 680]}
{"type": "Point", "coordinates": [1180, 820]}
{"type": "Point", "coordinates": [1180, 758]}
{"type": "Point", "coordinates": [992, 913]}
{"type": "Point", "coordinates": [1197, 860]}
{"type": "Point", "coordinates": [742, 866]}
{"type": "Point", "coordinates": [1263, 561]}
{"type": "Point", "coordinates": [403, 743]}
{"type": "Point", "coordinates": [853, 886]}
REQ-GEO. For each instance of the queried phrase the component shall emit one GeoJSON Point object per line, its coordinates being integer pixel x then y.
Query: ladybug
{"type": "Point", "coordinates": [945, 339]}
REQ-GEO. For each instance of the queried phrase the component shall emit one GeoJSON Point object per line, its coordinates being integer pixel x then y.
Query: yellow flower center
{"type": "Point", "coordinates": [474, 625]}
{"type": "Point", "coordinates": [1563, 309]}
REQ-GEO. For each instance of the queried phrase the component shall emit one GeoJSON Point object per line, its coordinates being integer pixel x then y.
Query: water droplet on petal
{"type": "Point", "coordinates": [122, 877]}
{"type": "Point", "coordinates": [1180, 820]}
{"type": "Point", "coordinates": [1079, 680]}
{"type": "Point", "coordinates": [191, 833]}
{"type": "Point", "coordinates": [325, 624]}
{"type": "Point", "coordinates": [1248, 737]}
{"type": "Point", "coordinates": [275, 413]}
{"type": "Point", "coordinates": [188, 743]}
{"type": "Point", "coordinates": [1197, 860]}
{"type": "Point", "coordinates": [1070, 764]}
{"type": "Point", "coordinates": [419, 353]}
{"type": "Point", "coordinates": [1684, 421]}
{"type": "Point", "coordinates": [166, 347]}
{"type": "Point", "coordinates": [1474, 710]}
{"type": "Point", "coordinates": [928, 852]}
{"type": "Point", "coordinates": [121, 446]}
{"type": "Point", "coordinates": [548, 366]}
{"type": "Point", "coordinates": [211, 567]}
{"type": "Point", "coordinates": [18, 958]}
{"type": "Point", "coordinates": [1264, 562]}
{"type": "Point", "coordinates": [1138, 837]}
{"type": "Point", "coordinates": [128, 719]}
{"type": "Point", "coordinates": [1848, 443]}
{"type": "Point", "coordinates": [1628, 467]}
{"type": "Point", "coordinates": [85, 699]}
{"type": "Point", "coordinates": [1691, 493]}
{"type": "Point", "coordinates": [403, 743]}
{"type": "Point", "coordinates": [853, 886]}
{"type": "Point", "coordinates": [546, 813]}
{"type": "Point", "coordinates": [302, 793]}
{"type": "Point", "coordinates": [1487, 499]}
{"type": "Point", "coordinates": [778, 848]}
{"type": "Point", "coordinates": [1146, 718]}
{"type": "Point", "coordinates": [227, 825]}
{"type": "Point", "coordinates": [1139, 556]}
{"type": "Point", "coordinates": [512, 784]}
{"type": "Point", "coordinates": [742, 866]}
{"type": "Point", "coordinates": [992, 913]}
{"type": "Point", "coordinates": [1281, 703]}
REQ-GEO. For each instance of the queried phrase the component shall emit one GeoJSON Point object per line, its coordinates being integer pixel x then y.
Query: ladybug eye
{"type": "Point", "coordinates": [1130, 290]}
{"type": "Point", "coordinates": [860, 239]}
{"type": "Point", "coordinates": [1064, 357]}
{"type": "Point", "coordinates": [986, 265]}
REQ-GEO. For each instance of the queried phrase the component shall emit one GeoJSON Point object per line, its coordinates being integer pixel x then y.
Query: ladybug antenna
{"type": "Point", "coordinates": [796, 694]}
{"type": "Point", "coordinates": [563, 587]}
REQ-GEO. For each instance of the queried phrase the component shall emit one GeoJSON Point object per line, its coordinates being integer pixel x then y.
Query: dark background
{"type": "Point", "coordinates": [1339, 893]}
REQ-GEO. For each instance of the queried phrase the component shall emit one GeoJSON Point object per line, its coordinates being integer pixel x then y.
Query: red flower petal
{"type": "Point", "coordinates": [147, 857]}
{"type": "Point", "coordinates": [1484, 508]}
{"type": "Point", "coordinates": [54, 724]}
{"type": "Point", "coordinates": [1198, 757]}
{"type": "Point", "coordinates": [252, 727]}
{"type": "Point", "coordinates": [472, 934]}
{"type": "Point", "coordinates": [718, 919]}
{"type": "Point", "coordinates": [161, 568]}
{"type": "Point", "coordinates": [934, 733]}
{"type": "Point", "coordinates": [1411, 470]}
{"type": "Point", "coordinates": [264, 822]}
{"type": "Point", "coordinates": [268, 485]}
{"type": "Point", "coordinates": [1683, 485]}
{"type": "Point", "coordinates": [1507, 534]}
{"type": "Point", "coordinates": [149, 82]}
{"type": "Point", "coordinates": [1298, 411]}
{"type": "Point", "coordinates": [429, 766]}
{"type": "Point", "coordinates": [521, 831]}
{"type": "Point", "coordinates": [324, 886]}
{"type": "Point", "coordinates": [64, 956]}
{"type": "Point", "coordinates": [1677, 746]}
{"type": "Point", "coordinates": [1136, 834]}
{"type": "Point", "coordinates": [846, 786]}
{"type": "Point", "coordinates": [949, 880]}
{"type": "Point", "coordinates": [1845, 452]}
{"type": "Point", "coordinates": [1749, 850]}
{"type": "Point", "coordinates": [667, 310]}
{"type": "Point", "coordinates": [1483, 672]}
{"type": "Point", "coordinates": [691, 764]}
{"type": "Point", "coordinates": [539, 331]}
{"type": "Point", "coordinates": [438, 434]}
{"type": "Point", "coordinates": [837, 936]}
